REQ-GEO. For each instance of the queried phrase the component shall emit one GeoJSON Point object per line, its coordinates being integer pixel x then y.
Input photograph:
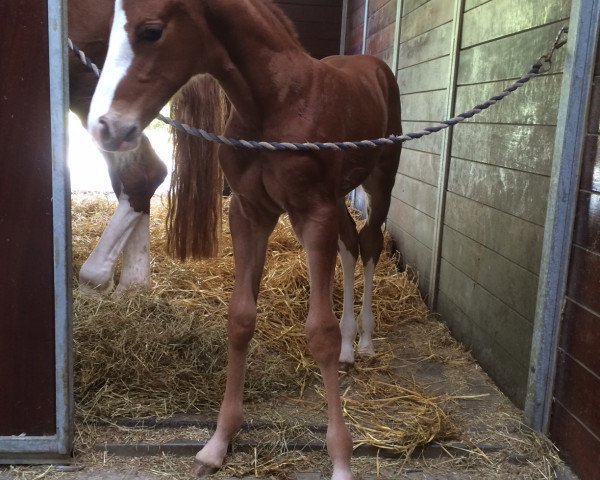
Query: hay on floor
{"type": "Point", "coordinates": [163, 352]}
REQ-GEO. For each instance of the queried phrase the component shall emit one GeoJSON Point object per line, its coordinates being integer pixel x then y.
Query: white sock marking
{"type": "Point", "coordinates": [136, 257]}
{"type": "Point", "coordinates": [367, 320]}
{"type": "Point", "coordinates": [347, 323]}
{"type": "Point", "coordinates": [97, 272]}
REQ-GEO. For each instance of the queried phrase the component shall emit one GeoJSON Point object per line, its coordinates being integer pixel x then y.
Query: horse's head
{"type": "Point", "coordinates": [153, 51]}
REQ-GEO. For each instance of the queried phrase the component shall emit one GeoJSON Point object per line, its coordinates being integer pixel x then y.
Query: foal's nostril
{"type": "Point", "coordinates": [131, 133]}
{"type": "Point", "coordinates": [103, 129]}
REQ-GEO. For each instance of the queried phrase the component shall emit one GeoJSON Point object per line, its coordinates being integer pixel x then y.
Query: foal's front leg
{"type": "Point", "coordinates": [318, 234]}
{"type": "Point", "coordinates": [250, 230]}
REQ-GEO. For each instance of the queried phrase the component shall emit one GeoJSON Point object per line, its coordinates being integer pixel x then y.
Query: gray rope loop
{"type": "Point", "coordinates": [541, 66]}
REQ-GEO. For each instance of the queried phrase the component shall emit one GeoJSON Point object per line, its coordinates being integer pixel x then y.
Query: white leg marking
{"type": "Point", "coordinates": [118, 60]}
{"type": "Point", "coordinates": [367, 320]}
{"type": "Point", "coordinates": [96, 274]}
{"type": "Point", "coordinates": [136, 258]}
{"type": "Point", "coordinates": [347, 323]}
{"type": "Point", "coordinates": [213, 453]}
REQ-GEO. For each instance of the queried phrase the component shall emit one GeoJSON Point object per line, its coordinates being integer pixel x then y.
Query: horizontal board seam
{"type": "Point", "coordinates": [423, 62]}
{"type": "Point", "coordinates": [480, 326]}
{"type": "Point", "coordinates": [576, 418]}
{"type": "Point", "coordinates": [493, 251]}
{"type": "Point", "coordinates": [513, 34]}
{"type": "Point", "coordinates": [500, 166]}
{"type": "Point", "coordinates": [529, 322]}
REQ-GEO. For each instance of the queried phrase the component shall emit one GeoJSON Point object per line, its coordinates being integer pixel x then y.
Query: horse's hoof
{"type": "Point", "coordinates": [96, 291]}
{"type": "Point", "coordinates": [200, 470]}
{"type": "Point", "coordinates": [345, 366]}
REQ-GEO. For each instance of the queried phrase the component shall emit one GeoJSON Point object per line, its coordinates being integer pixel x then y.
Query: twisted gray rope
{"type": "Point", "coordinates": [542, 65]}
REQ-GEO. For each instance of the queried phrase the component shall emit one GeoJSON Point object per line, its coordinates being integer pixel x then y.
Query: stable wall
{"type": "Point", "coordinates": [476, 244]}
{"type": "Point", "coordinates": [318, 23]}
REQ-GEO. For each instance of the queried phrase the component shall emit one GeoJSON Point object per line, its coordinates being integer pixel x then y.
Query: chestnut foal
{"type": "Point", "coordinates": [279, 93]}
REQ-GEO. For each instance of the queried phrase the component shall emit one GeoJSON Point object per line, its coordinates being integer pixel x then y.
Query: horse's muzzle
{"type": "Point", "coordinates": [115, 135]}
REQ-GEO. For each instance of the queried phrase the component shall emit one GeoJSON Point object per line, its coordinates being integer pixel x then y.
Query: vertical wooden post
{"type": "Point", "coordinates": [445, 157]}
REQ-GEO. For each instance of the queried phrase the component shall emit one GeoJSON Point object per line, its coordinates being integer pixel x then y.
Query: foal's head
{"type": "Point", "coordinates": [155, 47]}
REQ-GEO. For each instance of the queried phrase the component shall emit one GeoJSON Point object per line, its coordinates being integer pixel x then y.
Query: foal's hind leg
{"type": "Point", "coordinates": [250, 230]}
{"type": "Point", "coordinates": [318, 234]}
{"type": "Point", "coordinates": [378, 187]}
{"type": "Point", "coordinates": [348, 250]}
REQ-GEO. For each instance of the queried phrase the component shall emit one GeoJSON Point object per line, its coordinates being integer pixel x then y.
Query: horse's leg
{"type": "Point", "coordinates": [139, 180]}
{"type": "Point", "coordinates": [135, 176]}
{"type": "Point", "coordinates": [318, 233]}
{"type": "Point", "coordinates": [250, 230]}
{"type": "Point", "coordinates": [135, 272]}
{"type": "Point", "coordinates": [348, 250]}
{"type": "Point", "coordinates": [378, 187]}
{"type": "Point", "coordinates": [96, 274]}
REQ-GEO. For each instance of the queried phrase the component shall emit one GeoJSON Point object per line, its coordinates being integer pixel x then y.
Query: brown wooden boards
{"type": "Point", "coordinates": [27, 401]}
{"type": "Point", "coordinates": [575, 420]}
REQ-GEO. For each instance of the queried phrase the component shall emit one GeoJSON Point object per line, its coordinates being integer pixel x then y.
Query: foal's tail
{"type": "Point", "coordinates": [195, 196]}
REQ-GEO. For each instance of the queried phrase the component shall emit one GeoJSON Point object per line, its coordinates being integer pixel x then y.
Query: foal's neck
{"type": "Point", "coordinates": [264, 64]}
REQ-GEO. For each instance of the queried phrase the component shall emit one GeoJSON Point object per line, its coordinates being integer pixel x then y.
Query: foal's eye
{"type": "Point", "coordinates": [150, 33]}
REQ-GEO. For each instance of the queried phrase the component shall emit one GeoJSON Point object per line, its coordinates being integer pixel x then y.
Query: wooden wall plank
{"type": "Point", "coordinates": [428, 143]}
{"type": "Point", "coordinates": [502, 278]}
{"type": "Point", "coordinates": [584, 278]}
{"type": "Point", "coordinates": [416, 194]}
{"type": "Point", "coordinates": [27, 344]}
{"type": "Point", "coordinates": [410, 5]}
{"type": "Point", "coordinates": [381, 15]}
{"type": "Point", "coordinates": [566, 428]}
{"type": "Point", "coordinates": [415, 255]}
{"type": "Point", "coordinates": [577, 390]}
{"type": "Point", "coordinates": [428, 46]}
{"type": "Point", "coordinates": [590, 178]}
{"type": "Point", "coordinates": [528, 148]}
{"type": "Point", "coordinates": [594, 112]}
{"type": "Point", "coordinates": [520, 242]}
{"type": "Point", "coordinates": [431, 75]}
{"type": "Point", "coordinates": [530, 105]}
{"type": "Point", "coordinates": [427, 17]}
{"type": "Point", "coordinates": [380, 42]}
{"type": "Point", "coordinates": [575, 419]}
{"type": "Point", "coordinates": [508, 372]}
{"type": "Point", "coordinates": [587, 224]}
{"type": "Point", "coordinates": [505, 327]}
{"type": "Point", "coordinates": [414, 222]}
{"type": "Point", "coordinates": [502, 18]}
{"type": "Point", "coordinates": [580, 335]}
{"type": "Point", "coordinates": [518, 52]}
{"type": "Point", "coordinates": [318, 23]}
{"type": "Point", "coordinates": [424, 106]}
{"type": "Point", "coordinates": [471, 4]}
{"type": "Point", "coordinates": [421, 166]}
{"type": "Point", "coordinates": [518, 193]}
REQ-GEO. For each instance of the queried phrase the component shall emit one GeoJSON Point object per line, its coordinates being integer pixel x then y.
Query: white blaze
{"type": "Point", "coordinates": [118, 60]}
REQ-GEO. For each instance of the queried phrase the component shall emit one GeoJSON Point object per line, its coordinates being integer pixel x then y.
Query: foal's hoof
{"type": "Point", "coordinates": [200, 470]}
{"type": "Point", "coordinates": [345, 366]}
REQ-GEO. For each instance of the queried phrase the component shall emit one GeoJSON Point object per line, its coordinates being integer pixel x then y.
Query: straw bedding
{"type": "Point", "coordinates": [162, 352]}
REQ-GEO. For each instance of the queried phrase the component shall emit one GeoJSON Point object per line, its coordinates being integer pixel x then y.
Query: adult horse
{"type": "Point", "coordinates": [278, 92]}
{"type": "Point", "coordinates": [134, 175]}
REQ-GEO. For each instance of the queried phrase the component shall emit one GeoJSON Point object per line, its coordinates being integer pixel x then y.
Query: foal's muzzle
{"type": "Point", "coordinates": [116, 134]}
